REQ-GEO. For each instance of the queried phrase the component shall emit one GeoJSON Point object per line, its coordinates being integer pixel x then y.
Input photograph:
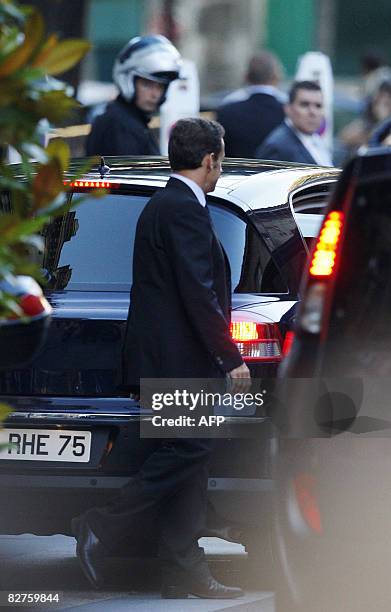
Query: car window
{"type": "Point", "coordinates": [252, 268]}
{"type": "Point", "coordinates": [309, 224]}
{"type": "Point", "coordinates": [308, 207]}
{"type": "Point", "coordinates": [91, 247]}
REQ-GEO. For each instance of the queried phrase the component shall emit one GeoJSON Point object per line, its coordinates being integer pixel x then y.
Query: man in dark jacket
{"type": "Point", "coordinates": [142, 72]}
{"type": "Point", "coordinates": [297, 138]}
{"type": "Point", "coordinates": [178, 328]}
{"type": "Point", "coordinates": [250, 114]}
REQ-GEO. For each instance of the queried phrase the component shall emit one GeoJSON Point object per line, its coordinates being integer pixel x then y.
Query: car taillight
{"type": "Point", "coordinates": [257, 341]}
{"type": "Point", "coordinates": [92, 184]}
{"type": "Point", "coordinates": [321, 270]}
{"type": "Point", "coordinates": [288, 341]}
{"type": "Point", "coordinates": [306, 498]}
{"type": "Point", "coordinates": [325, 253]}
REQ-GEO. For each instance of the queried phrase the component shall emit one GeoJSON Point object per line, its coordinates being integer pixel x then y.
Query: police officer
{"type": "Point", "coordinates": [142, 72]}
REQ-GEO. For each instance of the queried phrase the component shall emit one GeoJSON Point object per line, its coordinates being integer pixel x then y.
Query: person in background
{"type": "Point", "coordinates": [358, 132]}
{"type": "Point", "coordinates": [297, 138]}
{"type": "Point", "coordinates": [250, 114]}
{"type": "Point", "coordinates": [142, 72]}
{"type": "Point", "coordinates": [374, 70]}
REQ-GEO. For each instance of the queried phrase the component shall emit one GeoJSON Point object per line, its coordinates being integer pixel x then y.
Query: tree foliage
{"type": "Point", "coordinates": [30, 98]}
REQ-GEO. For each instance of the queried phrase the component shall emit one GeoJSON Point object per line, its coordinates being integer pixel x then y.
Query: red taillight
{"type": "Point", "coordinates": [324, 257]}
{"type": "Point", "coordinates": [257, 341]}
{"type": "Point", "coordinates": [92, 184]}
{"type": "Point", "coordinates": [244, 330]}
{"type": "Point", "coordinates": [305, 491]}
{"type": "Point", "coordinates": [288, 341]}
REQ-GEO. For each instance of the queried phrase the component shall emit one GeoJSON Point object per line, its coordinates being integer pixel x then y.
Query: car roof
{"type": "Point", "coordinates": [251, 183]}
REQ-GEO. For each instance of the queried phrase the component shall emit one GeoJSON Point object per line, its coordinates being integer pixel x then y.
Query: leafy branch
{"type": "Point", "coordinates": [29, 59]}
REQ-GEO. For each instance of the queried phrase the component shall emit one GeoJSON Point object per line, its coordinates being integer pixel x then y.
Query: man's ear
{"type": "Point", "coordinates": [207, 162]}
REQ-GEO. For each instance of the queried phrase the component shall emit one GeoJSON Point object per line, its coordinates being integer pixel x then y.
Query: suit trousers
{"type": "Point", "coordinates": [171, 486]}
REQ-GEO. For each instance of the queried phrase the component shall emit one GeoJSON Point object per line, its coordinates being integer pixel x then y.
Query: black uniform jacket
{"type": "Point", "coordinates": [121, 130]}
{"type": "Point", "coordinates": [181, 295]}
{"type": "Point", "coordinates": [283, 145]}
{"type": "Point", "coordinates": [247, 123]}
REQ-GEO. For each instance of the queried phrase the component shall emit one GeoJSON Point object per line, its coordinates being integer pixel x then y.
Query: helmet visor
{"type": "Point", "coordinates": [159, 77]}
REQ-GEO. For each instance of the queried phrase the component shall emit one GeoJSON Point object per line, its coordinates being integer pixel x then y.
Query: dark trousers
{"type": "Point", "coordinates": [172, 482]}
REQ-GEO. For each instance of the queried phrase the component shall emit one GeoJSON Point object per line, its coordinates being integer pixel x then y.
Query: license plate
{"type": "Point", "coordinates": [46, 445]}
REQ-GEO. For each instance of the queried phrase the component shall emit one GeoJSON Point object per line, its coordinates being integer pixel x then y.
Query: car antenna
{"type": "Point", "coordinates": [103, 169]}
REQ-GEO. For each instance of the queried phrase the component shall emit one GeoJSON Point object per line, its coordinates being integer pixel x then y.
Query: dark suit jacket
{"type": "Point", "coordinates": [283, 145]}
{"type": "Point", "coordinates": [247, 123]}
{"type": "Point", "coordinates": [181, 294]}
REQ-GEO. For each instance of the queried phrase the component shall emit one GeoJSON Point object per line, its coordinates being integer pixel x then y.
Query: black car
{"type": "Point", "coordinates": [332, 456]}
{"type": "Point", "coordinates": [76, 436]}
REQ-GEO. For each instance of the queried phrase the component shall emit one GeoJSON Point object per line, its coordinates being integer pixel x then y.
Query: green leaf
{"type": "Point", "coordinates": [29, 76]}
{"type": "Point", "coordinates": [45, 50]}
{"type": "Point", "coordinates": [8, 10]}
{"type": "Point", "coordinates": [5, 409]}
{"type": "Point", "coordinates": [10, 39]}
{"type": "Point", "coordinates": [83, 169]}
{"type": "Point", "coordinates": [59, 149]}
{"type": "Point", "coordinates": [3, 446]}
{"type": "Point", "coordinates": [32, 37]}
{"type": "Point", "coordinates": [53, 105]}
{"type": "Point", "coordinates": [10, 183]}
{"type": "Point", "coordinates": [16, 125]}
{"type": "Point", "coordinates": [63, 55]}
{"type": "Point", "coordinates": [13, 228]}
{"type": "Point", "coordinates": [34, 241]}
{"type": "Point", "coordinates": [57, 207]}
{"type": "Point", "coordinates": [47, 184]}
{"type": "Point", "coordinates": [35, 151]}
{"type": "Point", "coordinates": [10, 306]}
{"type": "Point", "coordinates": [28, 269]}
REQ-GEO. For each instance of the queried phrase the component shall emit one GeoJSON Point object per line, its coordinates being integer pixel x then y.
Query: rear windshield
{"type": "Point", "coordinates": [91, 248]}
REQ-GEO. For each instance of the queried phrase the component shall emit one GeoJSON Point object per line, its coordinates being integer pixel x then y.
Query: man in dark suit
{"type": "Point", "coordinates": [297, 138]}
{"type": "Point", "coordinates": [178, 328]}
{"type": "Point", "coordinates": [250, 114]}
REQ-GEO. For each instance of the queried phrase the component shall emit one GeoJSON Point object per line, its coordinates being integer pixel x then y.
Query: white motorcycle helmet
{"type": "Point", "coordinates": [151, 57]}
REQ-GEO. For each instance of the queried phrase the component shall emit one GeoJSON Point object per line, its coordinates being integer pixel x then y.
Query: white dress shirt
{"type": "Point", "coordinates": [196, 189]}
{"type": "Point", "coordinates": [314, 145]}
{"type": "Point", "coordinates": [239, 95]}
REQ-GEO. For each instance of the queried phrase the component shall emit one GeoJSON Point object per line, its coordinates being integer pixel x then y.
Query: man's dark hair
{"type": "Point", "coordinates": [192, 139]}
{"type": "Point", "coordinates": [264, 68]}
{"type": "Point", "coordinates": [308, 85]}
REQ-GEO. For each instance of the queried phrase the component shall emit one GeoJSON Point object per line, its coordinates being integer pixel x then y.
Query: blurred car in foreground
{"type": "Point", "coordinates": [23, 332]}
{"type": "Point", "coordinates": [77, 436]}
{"type": "Point", "coordinates": [332, 460]}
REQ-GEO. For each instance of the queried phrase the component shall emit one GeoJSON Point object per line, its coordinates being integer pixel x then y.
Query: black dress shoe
{"type": "Point", "coordinates": [90, 551]}
{"type": "Point", "coordinates": [202, 584]}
